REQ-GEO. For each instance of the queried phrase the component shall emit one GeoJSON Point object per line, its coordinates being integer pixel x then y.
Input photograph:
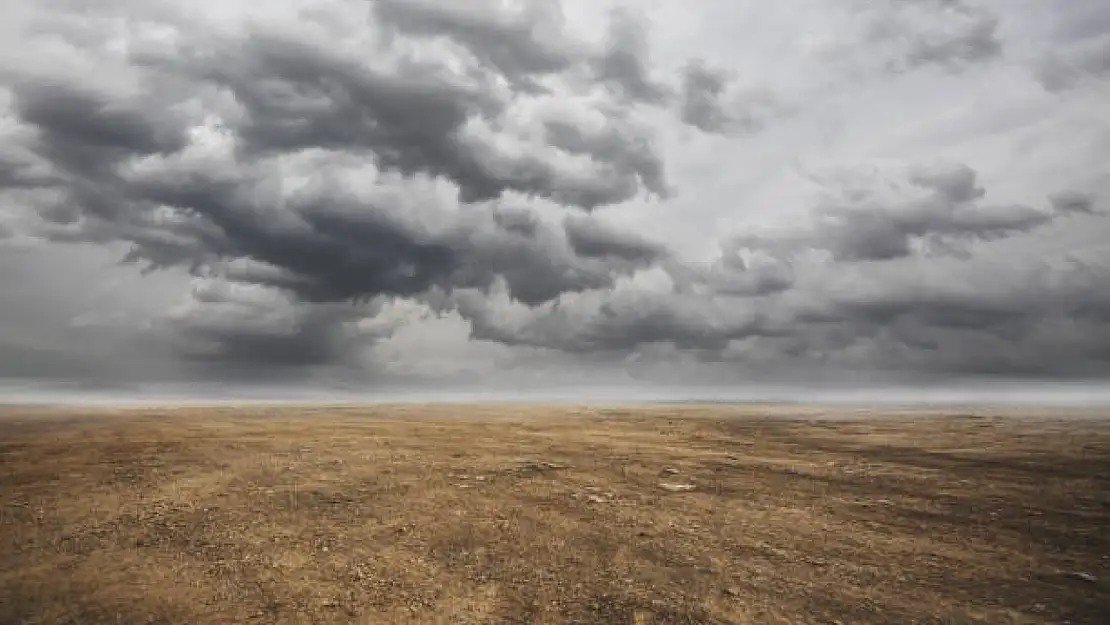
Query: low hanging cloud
{"type": "Point", "coordinates": [936, 209]}
{"type": "Point", "coordinates": [846, 288]}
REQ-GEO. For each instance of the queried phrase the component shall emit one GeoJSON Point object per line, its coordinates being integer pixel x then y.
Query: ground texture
{"type": "Point", "coordinates": [518, 514]}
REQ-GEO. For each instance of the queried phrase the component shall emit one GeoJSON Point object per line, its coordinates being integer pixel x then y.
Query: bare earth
{"type": "Point", "coordinates": [527, 514]}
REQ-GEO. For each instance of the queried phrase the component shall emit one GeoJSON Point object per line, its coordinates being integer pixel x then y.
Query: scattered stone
{"type": "Point", "coordinates": [676, 488]}
{"type": "Point", "coordinates": [1083, 577]}
{"type": "Point", "coordinates": [732, 592]}
{"type": "Point", "coordinates": [669, 471]}
{"type": "Point", "coordinates": [529, 468]}
{"type": "Point", "coordinates": [597, 499]}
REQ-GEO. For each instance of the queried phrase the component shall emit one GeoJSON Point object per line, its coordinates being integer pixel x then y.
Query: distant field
{"type": "Point", "coordinates": [529, 514]}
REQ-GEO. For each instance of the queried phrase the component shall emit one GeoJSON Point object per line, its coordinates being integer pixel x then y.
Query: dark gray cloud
{"type": "Point", "coordinates": [628, 153]}
{"type": "Point", "coordinates": [331, 246]}
{"type": "Point", "coordinates": [711, 103]}
{"type": "Point", "coordinates": [624, 65]}
{"type": "Point", "coordinates": [747, 273]}
{"type": "Point", "coordinates": [413, 120]}
{"type": "Point", "coordinates": [243, 333]}
{"type": "Point", "coordinates": [1036, 328]}
{"type": "Point", "coordinates": [702, 90]}
{"type": "Point", "coordinates": [79, 138]}
{"type": "Point", "coordinates": [591, 238]}
{"type": "Point", "coordinates": [765, 303]}
{"type": "Point", "coordinates": [1073, 202]}
{"type": "Point", "coordinates": [79, 126]}
{"type": "Point", "coordinates": [614, 322]}
{"type": "Point", "coordinates": [325, 244]}
{"type": "Point", "coordinates": [423, 192]}
{"type": "Point", "coordinates": [942, 213]}
{"type": "Point", "coordinates": [527, 45]}
{"type": "Point", "coordinates": [508, 43]}
{"type": "Point", "coordinates": [320, 241]}
{"type": "Point", "coordinates": [519, 221]}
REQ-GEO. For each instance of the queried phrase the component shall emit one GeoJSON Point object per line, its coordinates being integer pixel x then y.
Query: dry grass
{"type": "Point", "coordinates": [449, 515]}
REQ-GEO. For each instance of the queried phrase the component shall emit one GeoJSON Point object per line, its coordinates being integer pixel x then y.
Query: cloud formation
{"type": "Point", "coordinates": [322, 192]}
{"type": "Point", "coordinates": [936, 209]}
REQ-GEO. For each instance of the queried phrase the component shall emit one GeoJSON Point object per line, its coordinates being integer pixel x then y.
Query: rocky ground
{"type": "Point", "coordinates": [526, 514]}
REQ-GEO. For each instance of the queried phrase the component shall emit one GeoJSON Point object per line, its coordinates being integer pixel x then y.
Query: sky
{"type": "Point", "coordinates": [382, 196]}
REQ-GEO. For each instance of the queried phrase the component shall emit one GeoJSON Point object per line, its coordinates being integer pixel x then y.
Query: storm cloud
{"type": "Point", "coordinates": [936, 209]}
{"type": "Point", "coordinates": [364, 191]}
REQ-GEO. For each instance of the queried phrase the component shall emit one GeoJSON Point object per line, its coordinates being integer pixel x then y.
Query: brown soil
{"type": "Point", "coordinates": [526, 514]}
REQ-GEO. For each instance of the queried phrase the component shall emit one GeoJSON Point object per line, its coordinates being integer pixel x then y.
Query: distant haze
{"type": "Point", "coordinates": [997, 396]}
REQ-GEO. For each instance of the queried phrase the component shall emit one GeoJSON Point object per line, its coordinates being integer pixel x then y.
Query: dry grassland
{"type": "Point", "coordinates": [526, 514]}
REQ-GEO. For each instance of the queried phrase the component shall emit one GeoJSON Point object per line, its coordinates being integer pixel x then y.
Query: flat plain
{"type": "Point", "coordinates": [445, 514]}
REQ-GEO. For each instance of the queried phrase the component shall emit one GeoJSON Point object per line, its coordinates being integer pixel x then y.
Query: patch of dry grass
{"type": "Point", "coordinates": [517, 514]}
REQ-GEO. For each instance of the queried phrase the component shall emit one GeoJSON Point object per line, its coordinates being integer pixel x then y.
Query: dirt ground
{"type": "Point", "coordinates": [531, 514]}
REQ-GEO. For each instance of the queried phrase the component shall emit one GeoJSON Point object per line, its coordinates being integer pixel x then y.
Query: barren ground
{"type": "Point", "coordinates": [518, 514]}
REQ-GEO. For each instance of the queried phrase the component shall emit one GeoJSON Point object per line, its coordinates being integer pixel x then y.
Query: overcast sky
{"type": "Point", "coordinates": [535, 195]}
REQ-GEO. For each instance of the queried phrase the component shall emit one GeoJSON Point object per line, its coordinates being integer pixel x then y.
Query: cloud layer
{"type": "Point", "coordinates": [397, 192]}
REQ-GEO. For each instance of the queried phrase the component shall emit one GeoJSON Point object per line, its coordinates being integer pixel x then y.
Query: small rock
{"type": "Point", "coordinates": [669, 471]}
{"type": "Point", "coordinates": [1083, 577]}
{"type": "Point", "coordinates": [596, 499]}
{"type": "Point", "coordinates": [732, 592]}
{"type": "Point", "coordinates": [540, 467]}
{"type": "Point", "coordinates": [676, 488]}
